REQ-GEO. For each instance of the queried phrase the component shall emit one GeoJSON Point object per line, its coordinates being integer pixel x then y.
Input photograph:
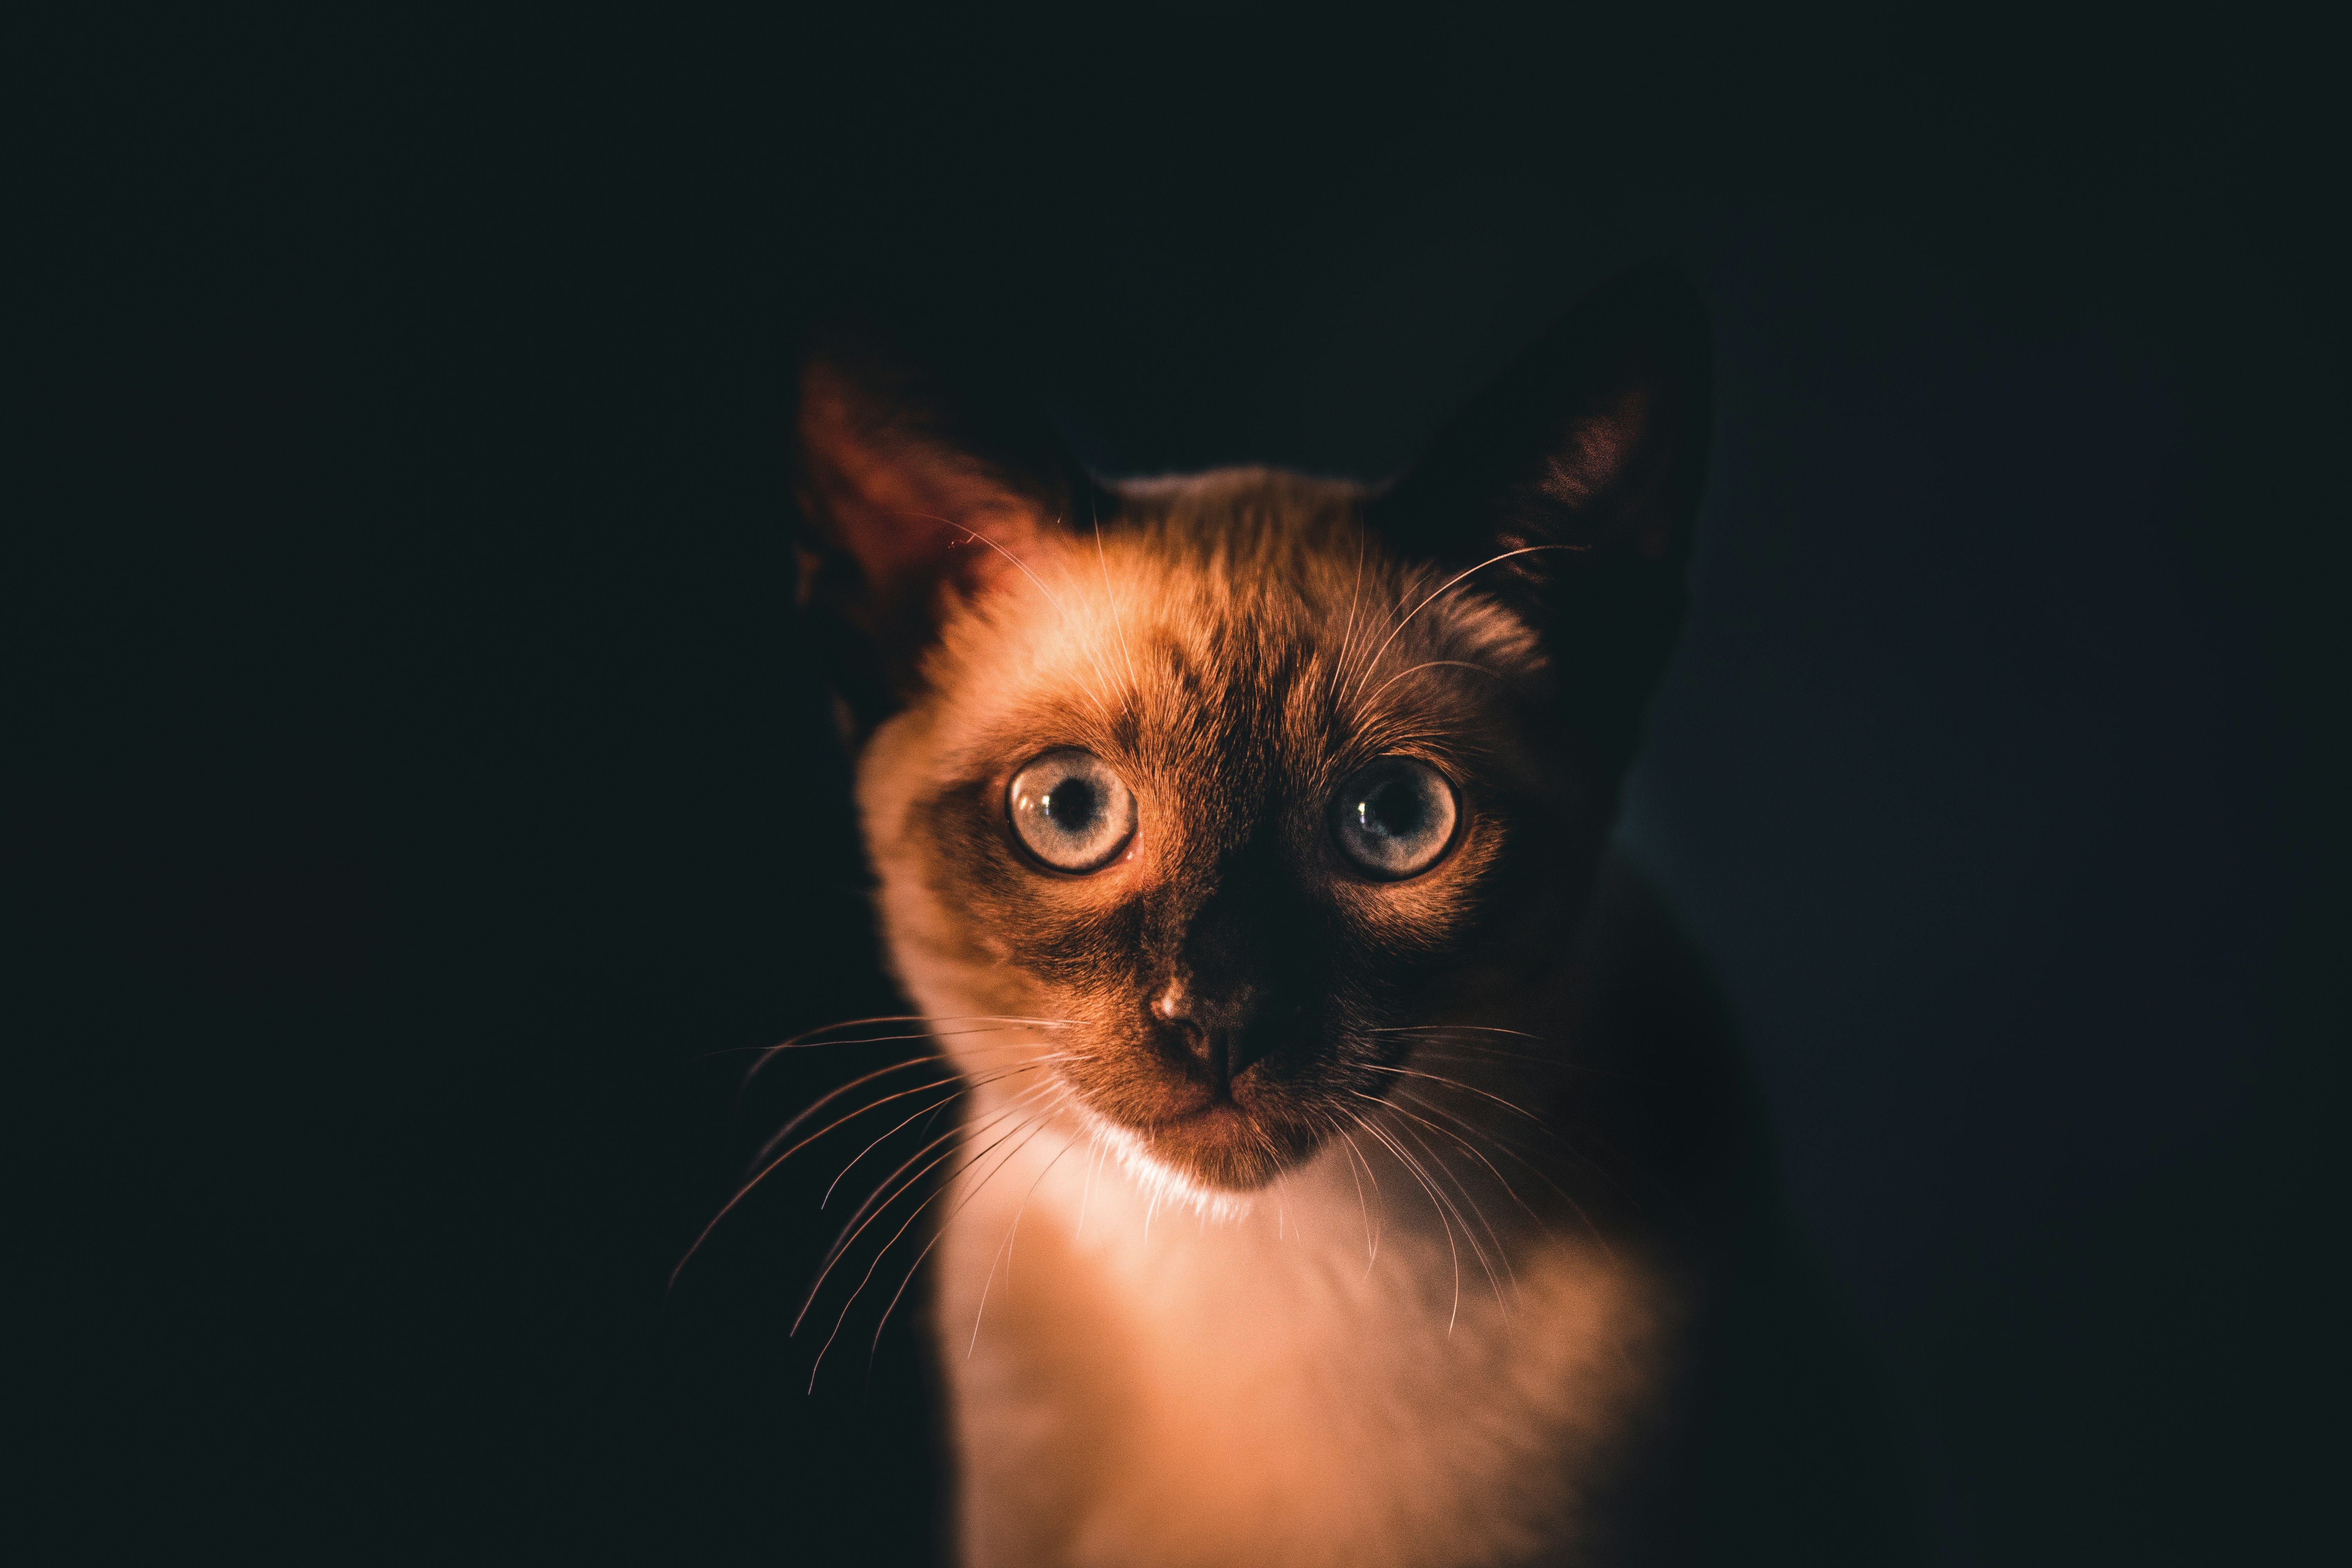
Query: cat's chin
{"type": "Point", "coordinates": [1219, 1155]}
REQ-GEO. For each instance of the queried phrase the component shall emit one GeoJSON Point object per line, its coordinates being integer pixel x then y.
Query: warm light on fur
{"type": "Point", "coordinates": [1240, 1314]}
{"type": "Point", "coordinates": [1257, 1242]}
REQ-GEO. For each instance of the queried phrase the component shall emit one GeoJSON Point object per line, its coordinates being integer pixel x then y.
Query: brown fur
{"type": "Point", "coordinates": [1334, 1291]}
{"type": "Point", "coordinates": [1203, 650]}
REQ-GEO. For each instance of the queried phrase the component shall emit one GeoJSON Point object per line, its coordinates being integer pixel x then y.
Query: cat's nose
{"type": "Point", "coordinates": [1181, 1005]}
{"type": "Point", "coordinates": [1174, 1002]}
{"type": "Point", "coordinates": [1212, 1031]}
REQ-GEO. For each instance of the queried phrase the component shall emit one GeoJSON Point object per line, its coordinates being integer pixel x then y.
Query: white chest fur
{"type": "Point", "coordinates": [1132, 1387]}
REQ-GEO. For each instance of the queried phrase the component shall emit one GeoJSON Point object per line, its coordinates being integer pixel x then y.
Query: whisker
{"type": "Point", "coordinates": [1111, 599]}
{"type": "Point", "coordinates": [1466, 1089]}
{"type": "Point", "coordinates": [1414, 1170]}
{"type": "Point", "coordinates": [913, 1267]}
{"type": "Point", "coordinates": [1469, 1126]}
{"type": "Point", "coordinates": [764, 1173]}
{"type": "Point", "coordinates": [849, 1237]}
{"type": "Point", "coordinates": [1429, 664]}
{"type": "Point", "coordinates": [1101, 707]}
{"type": "Point", "coordinates": [1538, 1171]}
{"type": "Point", "coordinates": [1087, 1195]}
{"type": "Point", "coordinates": [1036, 1124]}
{"type": "Point", "coordinates": [803, 1117]}
{"type": "Point", "coordinates": [1477, 1251]}
{"type": "Point", "coordinates": [1483, 1049]}
{"type": "Point", "coordinates": [808, 1040]}
{"type": "Point", "coordinates": [777, 1163]}
{"type": "Point", "coordinates": [1490, 1052]}
{"type": "Point", "coordinates": [1476, 1154]}
{"type": "Point", "coordinates": [1486, 1054]}
{"type": "Point", "coordinates": [845, 1120]}
{"type": "Point", "coordinates": [1348, 639]}
{"type": "Point", "coordinates": [869, 1078]}
{"type": "Point", "coordinates": [1597, 1168]}
{"type": "Point", "coordinates": [1356, 1157]}
{"type": "Point", "coordinates": [890, 1189]}
{"type": "Point", "coordinates": [1398, 630]}
{"type": "Point", "coordinates": [979, 1083]}
{"type": "Point", "coordinates": [1003, 1250]}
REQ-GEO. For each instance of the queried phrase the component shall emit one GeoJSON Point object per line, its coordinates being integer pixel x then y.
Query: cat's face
{"type": "Point", "coordinates": [1230, 795]}
{"type": "Point", "coordinates": [1191, 801]}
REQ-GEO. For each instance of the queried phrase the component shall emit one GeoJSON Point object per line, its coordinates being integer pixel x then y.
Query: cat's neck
{"type": "Point", "coordinates": [1118, 1353]}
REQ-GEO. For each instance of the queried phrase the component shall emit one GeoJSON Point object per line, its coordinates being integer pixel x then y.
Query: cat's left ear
{"type": "Point", "coordinates": [914, 482]}
{"type": "Point", "coordinates": [1581, 469]}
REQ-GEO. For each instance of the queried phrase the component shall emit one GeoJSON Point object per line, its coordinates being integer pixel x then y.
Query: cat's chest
{"type": "Point", "coordinates": [1305, 1385]}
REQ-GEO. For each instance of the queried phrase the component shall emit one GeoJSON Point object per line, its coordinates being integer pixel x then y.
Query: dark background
{"type": "Point", "coordinates": [442, 805]}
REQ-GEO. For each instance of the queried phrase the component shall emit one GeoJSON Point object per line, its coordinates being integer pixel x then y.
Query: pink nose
{"type": "Point", "coordinates": [1213, 1031]}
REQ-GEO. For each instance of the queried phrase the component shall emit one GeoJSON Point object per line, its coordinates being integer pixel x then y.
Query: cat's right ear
{"type": "Point", "coordinates": [913, 482]}
{"type": "Point", "coordinates": [1570, 489]}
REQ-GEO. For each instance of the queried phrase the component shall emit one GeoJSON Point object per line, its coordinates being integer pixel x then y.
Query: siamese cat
{"type": "Point", "coordinates": [1350, 1168]}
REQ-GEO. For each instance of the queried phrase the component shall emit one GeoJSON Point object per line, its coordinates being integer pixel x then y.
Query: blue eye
{"type": "Point", "coordinates": [1395, 819]}
{"type": "Point", "coordinates": [1071, 811]}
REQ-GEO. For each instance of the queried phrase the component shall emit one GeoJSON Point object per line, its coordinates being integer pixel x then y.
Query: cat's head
{"type": "Point", "coordinates": [1195, 799]}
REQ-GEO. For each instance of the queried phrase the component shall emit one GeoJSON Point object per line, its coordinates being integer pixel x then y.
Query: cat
{"type": "Point", "coordinates": [1353, 1165]}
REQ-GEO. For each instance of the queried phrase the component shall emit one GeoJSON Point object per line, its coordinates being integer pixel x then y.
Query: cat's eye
{"type": "Point", "coordinates": [1070, 811]}
{"type": "Point", "coordinates": [1395, 819]}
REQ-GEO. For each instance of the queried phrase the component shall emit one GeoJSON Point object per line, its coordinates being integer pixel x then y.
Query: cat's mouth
{"type": "Point", "coordinates": [1233, 1141]}
{"type": "Point", "coordinates": [1225, 1110]}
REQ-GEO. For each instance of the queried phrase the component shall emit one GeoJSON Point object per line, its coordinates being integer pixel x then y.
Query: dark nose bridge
{"type": "Point", "coordinates": [1231, 864]}
{"type": "Point", "coordinates": [1214, 963]}
{"type": "Point", "coordinates": [1246, 893]}
{"type": "Point", "coordinates": [1233, 960]}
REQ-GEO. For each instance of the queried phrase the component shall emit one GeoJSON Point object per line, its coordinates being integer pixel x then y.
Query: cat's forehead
{"type": "Point", "coordinates": [1236, 620]}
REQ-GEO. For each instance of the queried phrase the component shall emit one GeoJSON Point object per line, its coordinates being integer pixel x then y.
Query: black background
{"type": "Point", "coordinates": [444, 805]}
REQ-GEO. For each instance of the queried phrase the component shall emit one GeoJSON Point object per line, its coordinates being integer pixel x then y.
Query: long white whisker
{"type": "Point", "coordinates": [1472, 1150]}
{"type": "Point", "coordinates": [1037, 1123]}
{"type": "Point", "coordinates": [1087, 1195]}
{"type": "Point", "coordinates": [1485, 1056]}
{"type": "Point", "coordinates": [1414, 1170]}
{"type": "Point", "coordinates": [1342, 667]}
{"type": "Point", "coordinates": [1554, 1133]}
{"type": "Point", "coordinates": [913, 1267]}
{"type": "Point", "coordinates": [977, 1083]}
{"type": "Point", "coordinates": [1005, 1248]}
{"type": "Point", "coordinates": [1429, 664]}
{"type": "Point", "coordinates": [1466, 1089]}
{"type": "Point", "coordinates": [1540, 1174]}
{"type": "Point", "coordinates": [1101, 707]}
{"type": "Point", "coordinates": [1110, 601]}
{"type": "Point", "coordinates": [849, 1237]}
{"type": "Point", "coordinates": [801, 1118]}
{"type": "Point", "coordinates": [891, 1188]}
{"type": "Point", "coordinates": [1469, 1126]}
{"type": "Point", "coordinates": [1371, 1235]}
{"type": "Point", "coordinates": [745, 1190]}
{"type": "Point", "coordinates": [1447, 1172]}
{"type": "Point", "coordinates": [1527, 550]}
{"type": "Point", "coordinates": [809, 1040]}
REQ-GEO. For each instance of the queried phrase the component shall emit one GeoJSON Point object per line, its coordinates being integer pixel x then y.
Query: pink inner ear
{"type": "Point", "coordinates": [912, 513]}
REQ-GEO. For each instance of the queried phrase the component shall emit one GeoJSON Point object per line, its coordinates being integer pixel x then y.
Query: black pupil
{"type": "Point", "coordinates": [1395, 809]}
{"type": "Point", "coordinates": [1073, 804]}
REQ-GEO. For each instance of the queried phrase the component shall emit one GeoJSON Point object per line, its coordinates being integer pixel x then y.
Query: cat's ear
{"type": "Point", "coordinates": [1587, 458]}
{"type": "Point", "coordinates": [912, 481]}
